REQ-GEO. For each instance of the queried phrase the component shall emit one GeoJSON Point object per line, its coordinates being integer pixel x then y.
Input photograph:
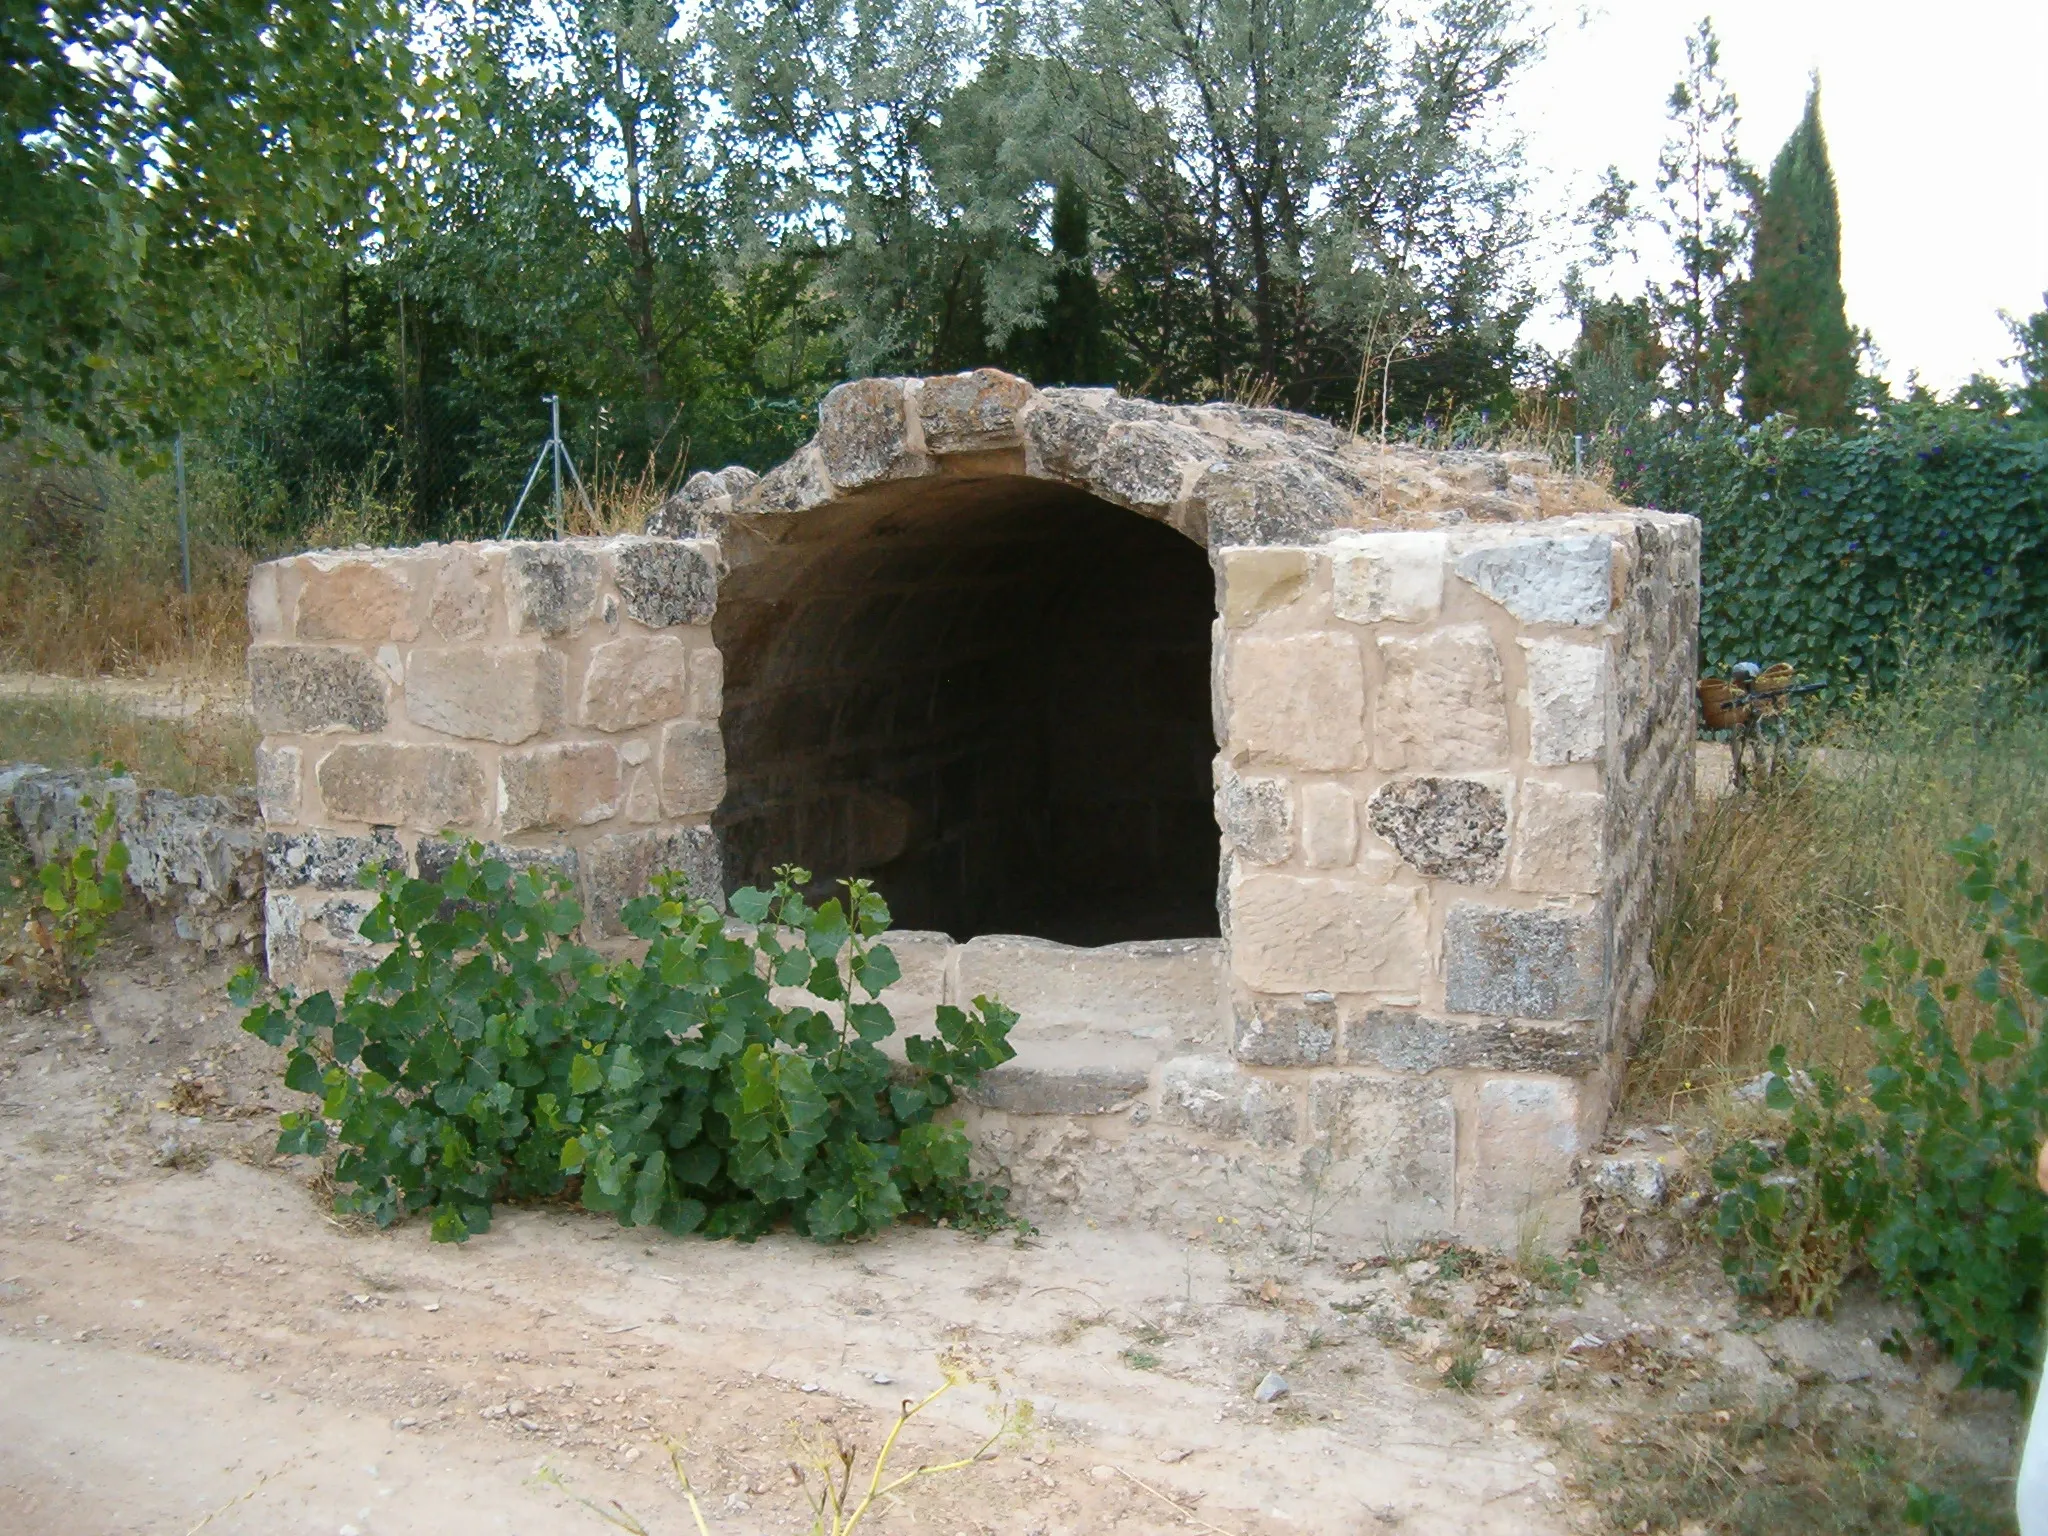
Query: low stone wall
{"type": "Point", "coordinates": [558, 702]}
{"type": "Point", "coordinates": [198, 858]}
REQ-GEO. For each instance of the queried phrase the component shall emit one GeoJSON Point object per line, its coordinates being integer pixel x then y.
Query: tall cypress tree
{"type": "Point", "coordinates": [1798, 353]}
{"type": "Point", "coordinates": [1070, 346]}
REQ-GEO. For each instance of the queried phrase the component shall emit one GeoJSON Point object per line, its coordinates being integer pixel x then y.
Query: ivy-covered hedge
{"type": "Point", "coordinates": [1817, 548]}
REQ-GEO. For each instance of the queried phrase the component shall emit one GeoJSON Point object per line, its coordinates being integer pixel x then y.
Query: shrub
{"type": "Point", "coordinates": [488, 1055]}
{"type": "Point", "coordinates": [1818, 549]}
{"type": "Point", "coordinates": [72, 900]}
{"type": "Point", "coordinates": [1935, 1191]}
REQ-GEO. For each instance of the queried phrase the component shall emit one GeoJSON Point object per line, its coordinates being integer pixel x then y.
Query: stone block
{"type": "Point", "coordinates": [550, 589]}
{"type": "Point", "coordinates": [707, 683]}
{"type": "Point", "coordinates": [279, 783]}
{"type": "Point", "coordinates": [1257, 581]}
{"type": "Point", "coordinates": [265, 605]}
{"type": "Point", "coordinates": [1272, 1112]}
{"type": "Point", "coordinates": [1451, 829]}
{"type": "Point", "coordinates": [460, 606]}
{"type": "Point", "coordinates": [501, 693]}
{"type": "Point", "coordinates": [1329, 826]}
{"type": "Point", "coordinates": [864, 433]}
{"type": "Point", "coordinates": [1164, 989]}
{"type": "Point", "coordinates": [344, 597]}
{"type": "Point", "coordinates": [622, 865]}
{"type": "Point", "coordinates": [692, 768]}
{"type": "Point", "coordinates": [395, 785]}
{"type": "Point", "coordinates": [1526, 1140]}
{"type": "Point", "coordinates": [1556, 579]}
{"type": "Point", "coordinates": [1558, 833]}
{"type": "Point", "coordinates": [341, 919]}
{"type": "Point", "coordinates": [1296, 699]}
{"type": "Point", "coordinates": [972, 412]}
{"type": "Point", "coordinates": [635, 680]}
{"type": "Point", "coordinates": [1271, 501]}
{"type": "Point", "coordinates": [314, 689]}
{"type": "Point", "coordinates": [1391, 1143]}
{"type": "Point", "coordinates": [1141, 464]}
{"type": "Point", "coordinates": [1528, 963]}
{"type": "Point", "coordinates": [1402, 1040]}
{"type": "Point", "coordinates": [284, 941]}
{"type": "Point", "coordinates": [1295, 934]}
{"type": "Point", "coordinates": [1567, 701]}
{"type": "Point", "coordinates": [1020, 1089]}
{"type": "Point", "coordinates": [1064, 431]}
{"type": "Point", "coordinates": [1286, 1031]}
{"type": "Point", "coordinates": [569, 784]}
{"type": "Point", "coordinates": [435, 856]}
{"type": "Point", "coordinates": [666, 581]}
{"type": "Point", "coordinates": [1203, 1093]}
{"type": "Point", "coordinates": [1256, 817]}
{"type": "Point", "coordinates": [328, 861]}
{"type": "Point", "coordinates": [1388, 577]}
{"type": "Point", "coordinates": [797, 484]}
{"type": "Point", "coordinates": [1441, 701]}
{"type": "Point", "coordinates": [643, 797]}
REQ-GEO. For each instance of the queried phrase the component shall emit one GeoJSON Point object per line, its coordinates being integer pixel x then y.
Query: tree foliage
{"type": "Point", "coordinates": [1798, 353]}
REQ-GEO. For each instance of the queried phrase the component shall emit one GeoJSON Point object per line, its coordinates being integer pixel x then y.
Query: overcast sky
{"type": "Point", "coordinates": [1937, 124]}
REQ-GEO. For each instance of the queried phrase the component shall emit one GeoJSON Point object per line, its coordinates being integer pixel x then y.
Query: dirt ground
{"type": "Point", "coordinates": [189, 1340]}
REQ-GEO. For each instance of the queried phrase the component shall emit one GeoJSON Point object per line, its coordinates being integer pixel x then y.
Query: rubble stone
{"type": "Point", "coordinates": [1287, 1032]}
{"type": "Point", "coordinates": [1256, 817]}
{"type": "Point", "coordinates": [972, 412]}
{"type": "Point", "coordinates": [550, 589]}
{"type": "Point", "coordinates": [666, 581]}
{"type": "Point", "coordinates": [1455, 829]}
{"type": "Point", "coordinates": [314, 689]}
{"type": "Point", "coordinates": [864, 433]}
{"type": "Point", "coordinates": [328, 861]}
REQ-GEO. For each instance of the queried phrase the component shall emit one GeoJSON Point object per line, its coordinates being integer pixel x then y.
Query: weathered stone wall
{"type": "Point", "coordinates": [558, 701]}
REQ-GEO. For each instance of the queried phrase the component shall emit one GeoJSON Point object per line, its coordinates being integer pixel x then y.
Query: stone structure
{"type": "Point", "coordinates": [1429, 715]}
{"type": "Point", "coordinates": [557, 701]}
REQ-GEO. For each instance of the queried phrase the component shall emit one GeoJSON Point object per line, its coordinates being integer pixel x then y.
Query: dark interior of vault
{"type": "Point", "coordinates": [993, 700]}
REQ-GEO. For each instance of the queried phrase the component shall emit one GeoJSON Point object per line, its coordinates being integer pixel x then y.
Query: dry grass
{"type": "Point", "coordinates": [211, 754]}
{"type": "Point", "coordinates": [124, 622]}
{"type": "Point", "coordinates": [1782, 889]}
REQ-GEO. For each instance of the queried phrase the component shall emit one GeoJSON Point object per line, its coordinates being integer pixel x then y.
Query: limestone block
{"type": "Point", "coordinates": [435, 856]}
{"type": "Point", "coordinates": [635, 680]}
{"type": "Point", "coordinates": [1256, 816]}
{"type": "Point", "coordinates": [569, 784]}
{"type": "Point", "coordinates": [1258, 581]}
{"type": "Point", "coordinates": [1402, 1040]}
{"type": "Point", "coordinates": [666, 581]}
{"type": "Point", "coordinates": [1391, 1142]}
{"type": "Point", "coordinates": [460, 606]}
{"type": "Point", "coordinates": [1286, 1031]}
{"type": "Point", "coordinates": [284, 943]}
{"type": "Point", "coordinates": [328, 861]}
{"type": "Point", "coordinates": [1453, 829]}
{"type": "Point", "coordinates": [1272, 501]}
{"type": "Point", "coordinates": [1526, 1141]}
{"type": "Point", "coordinates": [1204, 1093]}
{"type": "Point", "coordinates": [1297, 699]}
{"type": "Point", "coordinates": [1528, 963]}
{"type": "Point", "coordinates": [1295, 934]}
{"type": "Point", "coordinates": [1559, 579]}
{"type": "Point", "coordinates": [707, 683]}
{"type": "Point", "coordinates": [1140, 464]}
{"type": "Point", "coordinates": [622, 865]}
{"type": "Point", "coordinates": [797, 484]}
{"type": "Point", "coordinates": [1567, 701]}
{"type": "Point", "coordinates": [1558, 839]}
{"type": "Point", "coordinates": [643, 797]}
{"type": "Point", "coordinates": [1064, 431]}
{"type": "Point", "coordinates": [344, 597]}
{"type": "Point", "coordinates": [1441, 701]}
{"type": "Point", "coordinates": [864, 433]}
{"type": "Point", "coordinates": [314, 689]}
{"type": "Point", "coordinates": [265, 606]}
{"type": "Point", "coordinates": [279, 791]}
{"type": "Point", "coordinates": [1382, 577]}
{"type": "Point", "coordinates": [550, 589]}
{"type": "Point", "coordinates": [1019, 1088]}
{"type": "Point", "coordinates": [972, 412]}
{"type": "Point", "coordinates": [1329, 826]}
{"type": "Point", "coordinates": [341, 919]}
{"type": "Point", "coordinates": [1272, 1112]}
{"type": "Point", "coordinates": [501, 693]}
{"type": "Point", "coordinates": [393, 785]}
{"type": "Point", "coordinates": [692, 768]}
{"type": "Point", "coordinates": [1166, 989]}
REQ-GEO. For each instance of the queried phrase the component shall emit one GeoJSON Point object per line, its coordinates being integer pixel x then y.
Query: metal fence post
{"type": "Point", "coordinates": [184, 537]}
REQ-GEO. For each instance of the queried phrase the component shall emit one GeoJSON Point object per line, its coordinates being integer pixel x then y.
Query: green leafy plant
{"type": "Point", "coordinates": [489, 1055]}
{"type": "Point", "coordinates": [73, 899]}
{"type": "Point", "coordinates": [1935, 1190]}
